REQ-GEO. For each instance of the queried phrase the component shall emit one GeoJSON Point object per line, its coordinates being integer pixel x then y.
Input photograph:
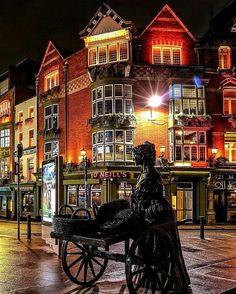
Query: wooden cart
{"type": "Point", "coordinates": [149, 257]}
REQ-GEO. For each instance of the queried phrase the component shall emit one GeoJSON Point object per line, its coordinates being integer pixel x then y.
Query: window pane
{"type": "Point", "coordinates": [166, 56]}
{"type": "Point", "coordinates": [112, 53]}
{"type": "Point", "coordinates": [109, 152]}
{"type": "Point", "coordinates": [186, 106]}
{"type": "Point", "coordinates": [177, 91]}
{"type": "Point", "coordinates": [108, 106]}
{"type": "Point", "coordinates": [119, 152]}
{"type": "Point", "coordinates": [226, 106]}
{"type": "Point", "coordinates": [99, 93]}
{"type": "Point", "coordinates": [186, 153]}
{"type": "Point", "coordinates": [94, 153]}
{"type": "Point", "coordinates": [177, 106]}
{"type": "Point", "coordinates": [92, 56]}
{"type": "Point", "coordinates": [118, 90]}
{"type": "Point", "coordinates": [102, 55]}
{"type": "Point", "coordinates": [190, 137]}
{"type": "Point", "coordinates": [156, 55]}
{"type": "Point", "coordinates": [193, 106]}
{"type": "Point", "coordinates": [94, 94]}
{"type": "Point", "coordinates": [178, 154]}
{"type": "Point", "coordinates": [48, 110]}
{"type": "Point", "coordinates": [127, 91]}
{"type": "Point", "coordinates": [194, 153]}
{"type": "Point", "coordinates": [189, 91]}
{"type": "Point", "coordinates": [55, 148]}
{"type": "Point", "coordinates": [119, 136]}
{"type": "Point", "coordinates": [108, 91]}
{"type": "Point", "coordinates": [202, 138]}
{"type": "Point", "coordinates": [100, 137]}
{"type": "Point", "coordinates": [94, 109]}
{"type": "Point", "coordinates": [108, 136]}
{"type": "Point", "coordinates": [128, 106]}
{"type": "Point", "coordinates": [123, 51]}
{"type": "Point", "coordinates": [47, 147]}
{"type": "Point", "coordinates": [118, 106]}
{"type": "Point", "coordinates": [178, 137]}
{"type": "Point", "coordinates": [201, 107]}
{"type": "Point", "coordinates": [100, 107]}
{"type": "Point", "coordinates": [233, 106]}
{"type": "Point", "coordinates": [202, 153]}
{"type": "Point", "coordinates": [129, 152]}
{"type": "Point", "coordinates": [100, 152]}
{"type": "Point", "coordinates": [94, 138]}
{"type": "Point", "coordinates": [129, 136]}
{"type": "Point", "coordinates": [176, 56]}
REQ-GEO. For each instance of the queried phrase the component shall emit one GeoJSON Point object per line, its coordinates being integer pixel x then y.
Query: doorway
{"type": "Point", "coordinates": [220, 206]}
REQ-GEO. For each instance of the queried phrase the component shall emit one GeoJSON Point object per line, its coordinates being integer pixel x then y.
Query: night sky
{"type": "Point", "coordinates": [26, 26]}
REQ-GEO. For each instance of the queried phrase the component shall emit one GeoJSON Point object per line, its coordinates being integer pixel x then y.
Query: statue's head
{"type": "Point", "coordinates": [145, 154]}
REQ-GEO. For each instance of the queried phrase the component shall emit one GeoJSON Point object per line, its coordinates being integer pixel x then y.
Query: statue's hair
{"type": "Point", "coordinates": [147, 152]}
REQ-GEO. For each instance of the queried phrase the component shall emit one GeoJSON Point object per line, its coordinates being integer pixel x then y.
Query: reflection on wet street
{"type": "Point", "coordinates": [31, 267]}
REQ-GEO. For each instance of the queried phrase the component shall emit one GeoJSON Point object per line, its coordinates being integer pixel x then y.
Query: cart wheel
{"type": "Point", "coordinates": [79, 263]}
{"type": "Point", "coordinates": [149, 264]}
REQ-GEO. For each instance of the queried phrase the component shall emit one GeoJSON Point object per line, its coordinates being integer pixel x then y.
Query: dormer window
{"type": "Point", "coordinates": [108, 53]}
{"type": "Point", "coordinates": [166, 55]}
{"type": "Point", "coordinates": [224, 53]}
{"type": "Point", "coordinates": [52, 80]}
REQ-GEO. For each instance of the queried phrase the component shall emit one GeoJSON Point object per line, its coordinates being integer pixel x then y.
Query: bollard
{"type": "Point", "coordinates": [202, 227]}
{"type": "Point", "coordinates": [29, 227]}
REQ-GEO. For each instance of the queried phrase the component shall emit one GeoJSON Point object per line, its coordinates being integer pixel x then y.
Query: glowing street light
{"type": "Point", "coordinates": [155, 101]}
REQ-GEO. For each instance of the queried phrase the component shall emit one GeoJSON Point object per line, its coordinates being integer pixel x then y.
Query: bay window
{"type": "Point", "coordinates": [188, 145]}
{"type": "Point", "coordinates": [112, 145]}
{"type": "Point", "coordinates": [112, 99]}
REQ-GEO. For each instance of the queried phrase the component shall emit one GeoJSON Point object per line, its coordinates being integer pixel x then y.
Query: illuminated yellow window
{"type": "Point", "coordinates": [92, 56]}
{"type": "Point", "coordinates": [31, 112]}
{"type": "Point", "coordinates": [52, 80]}
{"type": "Point", "coordinates": [20, 116]}
{"type": "Point", "coordinates": [229, 100]}
{"type": "Point", "coordinates": [166, 55]}
{"type": "Point", "coordinates": [20, 140]}
{"type": "Point", "coordinates": [224, 57]}
{"type": "Point", "coordinates": [112, 49]}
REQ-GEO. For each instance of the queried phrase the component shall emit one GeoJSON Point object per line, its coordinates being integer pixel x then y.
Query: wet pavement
{"type": "Point", "coordinates": [30, 267]}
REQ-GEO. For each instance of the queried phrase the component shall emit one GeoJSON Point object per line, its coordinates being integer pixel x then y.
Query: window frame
{"type": "Point", "coordinates": [171, 48]}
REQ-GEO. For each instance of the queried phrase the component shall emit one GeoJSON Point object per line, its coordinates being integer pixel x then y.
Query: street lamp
{"type": "Point", "coordinates": [155, 101]}
{"type": "Point", "coordinates": [162, 150]}
{"type": "Point", "coordinates": [85, 161]}
{"type": "Point", "coordinates": [214, 151]}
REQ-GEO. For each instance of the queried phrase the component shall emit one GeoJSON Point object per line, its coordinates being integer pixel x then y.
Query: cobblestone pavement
{"type": "Point", "coordinates": [30, 267]}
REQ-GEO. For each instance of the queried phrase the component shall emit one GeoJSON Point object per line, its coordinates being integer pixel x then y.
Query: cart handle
{"type": "Point", "coordinates": [64, 207]}
{"type": "Point", "coordinates": [95, 209]}
{"type": "Point", "coordinates": [81, 209]}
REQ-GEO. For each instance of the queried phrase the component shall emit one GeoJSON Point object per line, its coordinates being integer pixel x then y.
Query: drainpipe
{"type": "Point", "coordinates": [65, 69]}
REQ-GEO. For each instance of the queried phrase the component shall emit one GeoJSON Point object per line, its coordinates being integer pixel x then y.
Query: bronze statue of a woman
{"type": "Point", "coordinates": [149, 202]}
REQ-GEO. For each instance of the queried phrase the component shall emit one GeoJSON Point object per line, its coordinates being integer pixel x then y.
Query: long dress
{"type": "Point", "coordinates": [148, 200]}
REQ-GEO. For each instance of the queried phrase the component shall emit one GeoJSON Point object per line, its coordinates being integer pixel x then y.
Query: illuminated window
{"type": "Point", "coordinates": [229, 95]}
{"type": "Point", "coordinates": [108, 53]}
{"type": "Point", "coordinates": [112, 145]}
{"type": "Point", "coordinates": [31, 112]}
{"type": "Point", "coordinates": [92, 56]}
{"type": "Point", "coordinates": [30, 169]}
{"type": "Point", "coordinates": [20, 141]}
{"type": "Point", "coordinates": [5, 138]}
{"type": "Point", "coordinates": [51, 149]}
{"type": "Point", "coordinates": [52, 80]}
{"type": "Point", "coordinates": [102, 55]}
{"type": "Point", "coordinates": [224, 57]}
{"type": "Point", "coordinates": [4, 167]}
{"type": "Point", "coordinates": [4, 108]}
{"type": "Point", "coordinates": [20, 116]}
{"type": "Point", "coordinates": [189, 145]}
{"type": "Point", "coordinates": [230, 151]}
{"type": "Point", "coordinates": [187, 99]}
{"type": "Point", "coordinates": [31, 138]}
{"type": "Point", "coordinates": [123, 51]}
{"type": "Point", "coordinates": [166, 55]}
{"type": "Point", "coordinates": [112, 49]}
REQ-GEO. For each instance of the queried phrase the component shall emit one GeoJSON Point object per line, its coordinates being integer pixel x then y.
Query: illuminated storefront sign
{"type": "Point", "coordinates": [110, 174]}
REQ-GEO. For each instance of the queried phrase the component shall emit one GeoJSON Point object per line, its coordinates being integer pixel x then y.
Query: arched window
{"type": "Point", "coordinates": [224, 53]}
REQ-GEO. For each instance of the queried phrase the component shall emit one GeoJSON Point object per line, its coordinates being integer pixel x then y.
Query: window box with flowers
{"type": "Point", "coordinates": [115, 120]}
{"type": "Point", "coordinates": [193, 120]}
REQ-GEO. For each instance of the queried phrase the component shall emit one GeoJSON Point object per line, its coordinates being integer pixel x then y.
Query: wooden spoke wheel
{"type": "Point", "coordinates": [79, 263]}
{"type": "Point", "coordinates": [149, 264]}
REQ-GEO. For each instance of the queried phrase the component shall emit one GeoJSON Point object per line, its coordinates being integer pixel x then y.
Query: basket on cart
{"type": "Point", "coordinates": [73, 222]}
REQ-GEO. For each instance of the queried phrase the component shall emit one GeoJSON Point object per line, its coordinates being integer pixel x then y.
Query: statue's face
{"type": "Point", "coordinates": [138, 159]}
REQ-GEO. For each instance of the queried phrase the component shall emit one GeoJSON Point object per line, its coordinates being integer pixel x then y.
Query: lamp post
{"type": "Point", "coordinates": [155, 101]}
{"type": "Point", "coordinates": [85, 161]}
{"type": "Point", "coordinates": [19, 155]}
